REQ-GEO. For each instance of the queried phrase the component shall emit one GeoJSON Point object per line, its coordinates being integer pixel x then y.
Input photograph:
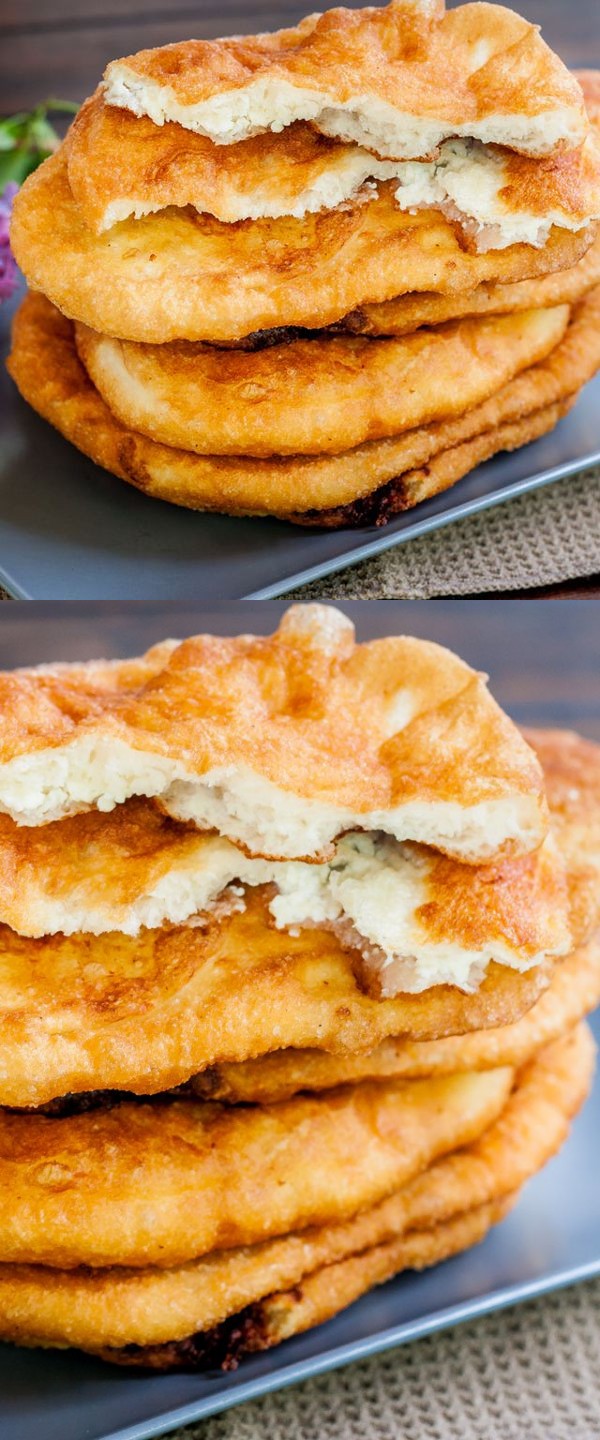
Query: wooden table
{"type": "Point", "coordinates": [60, 48]}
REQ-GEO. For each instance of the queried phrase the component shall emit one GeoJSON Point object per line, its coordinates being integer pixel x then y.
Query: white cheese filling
{"type": "Point", "coordinates": [369, 894]}
{"type": "Point", "coordinates": [465, 182]}
{"type": "Point", "coordinates": [272, 103]}
{"type": "Point", "coordinates": [102, 771]}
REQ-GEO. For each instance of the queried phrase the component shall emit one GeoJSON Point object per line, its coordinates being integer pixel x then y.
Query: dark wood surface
{"type": "Point", "coordinates": [543, 658]}
{"type": "Point", "coordinates": [60, 48]}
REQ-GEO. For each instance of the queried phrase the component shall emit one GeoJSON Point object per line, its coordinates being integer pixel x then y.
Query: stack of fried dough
{"type": "Point", "coordinates": [322, 273]}
{"type": "Point", "coordinates": [298, 940]}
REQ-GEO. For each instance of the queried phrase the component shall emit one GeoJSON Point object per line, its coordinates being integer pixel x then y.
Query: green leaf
{"type": "Point", "coordinates": [42, 135]}
{"type": "Point", "coordinates": [16, 165]}
{"type": "Point", "coordinates": [12, 131]}
{"type": "Point", "coordinates": [28, 138]}
{"type": "Point", "coordinates": [66, 107]}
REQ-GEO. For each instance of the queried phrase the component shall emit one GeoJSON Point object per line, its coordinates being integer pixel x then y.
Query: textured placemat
{"type": "Point", "coordinates": [532, 1371]}
{"type": "Point", "coordinates": [540, 538]}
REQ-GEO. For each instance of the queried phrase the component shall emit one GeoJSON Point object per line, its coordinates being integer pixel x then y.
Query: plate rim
{"type": "Point", "coordinates": [379, 546]}
{"type": "Point", "coordinates": [354, 1351]}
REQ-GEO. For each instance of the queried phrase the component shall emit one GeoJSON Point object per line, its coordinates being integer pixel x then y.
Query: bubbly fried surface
{"type": "Point", "coordinates": [180, 275]}
{"type": "Point", "coordinates": [572, 772]}
{"type": "Point", "coordinates": [589, 80]}
{"type": "Point", "coordinates": [407, 313]}
{"type": "Point", "coordinates": [217, 402]}
{"type": "Point", "coordinates": [144, 1014]}
{"type": "Point", "coordinates": [573, 992]}
{"type": "Point", "coordinates": [46, 367]}
{"type": "Point", "coordinates": [534, 1124]}
{"type": "Point", "coordinates": [397, 79]}
{"type": "Point", "coordinates": [160, 1184]}
{"type": "Point", "coordinates": [442, 471]}
{"type": "Point", "coordinates": [112, 1308]}
{"type": "Point", "coordinates": [121, 165]}
{"type": "Point", "coordinates": [36, 1303]}
{"type": "Point", "coordinates": [278, 740]}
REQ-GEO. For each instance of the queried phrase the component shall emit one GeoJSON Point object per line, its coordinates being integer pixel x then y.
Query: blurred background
{"type": "Point", "coordinates": [542, 656]}
{"type": "Point", "coordinates": [60, 47]}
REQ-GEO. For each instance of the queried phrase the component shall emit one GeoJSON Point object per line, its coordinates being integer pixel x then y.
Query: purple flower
{"type": "Point", "coordinates": [9, 275]}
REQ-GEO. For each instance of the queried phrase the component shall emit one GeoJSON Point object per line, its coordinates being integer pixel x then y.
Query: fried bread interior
{"type": "Point", "coordinates": [281, 743]}
{"type": "Point", "coordinates": [397, 80]}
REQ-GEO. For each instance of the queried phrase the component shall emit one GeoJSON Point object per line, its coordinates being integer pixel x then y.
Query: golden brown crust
{"type": "Point", "coordinates": [161, 1184]}
{"type": "Point", "coordinates": [407, 313]}
{"type": "Point", "coordinates": [574, 991]}
{"type": "Point", "coordinates": [120, 164]}
{"type": "Point", "coordinates": [49, 374]}
{"type": "Point", "coordinates": [50, 876]}
{"type": "Point", "coordinates": [145, 1014]}
{"type": "Point", "coordinates": [416, 58]}
{"type": "Point", "coordinates": [114, 1308]}
{"type": "Point", "coordinates": [305, 708]}
{"type": "Point", "coordinates": [179, 275]}
{"type": "Point", "coordinates": [217, 402]}
{"type": "Point", "coordinates": [443, 470]}
{"type": "Point", "coordinates": [590, 85]}
{"type": "Point", "coordinates": [572, 772]}
{"type": "Point", "coordinates": [321, 1295]}
{"type": "Point", "coordinates": [44, 1307]}
{"type": "Point", "coordinates": [116, 159]}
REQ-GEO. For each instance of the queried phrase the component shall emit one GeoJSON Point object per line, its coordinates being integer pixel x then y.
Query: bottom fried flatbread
{"type": "Point", "coordinates": [140, 1308]}
{"type": "Point", "coordinates": [574, 991]}
{"type": "Point", "coordinates": [46, 368]}
{"type": "Point", "coordinates": [159, 1184]}
{"type": "Point", "coordinates": [408, 312]}
{"type": "Point", "coordinates": [320, 1296]}
{"type": "Point", "coordinates": [146, 1012]}
{"type": "Point", "coordinates": [442, 470]}
{"type": "Point", "coordinates": [38, 1309]}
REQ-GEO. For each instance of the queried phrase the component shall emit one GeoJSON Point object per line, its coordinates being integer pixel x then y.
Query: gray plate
{"type": "Point", "coordinates": [69, 531]}
{"type": "Point", "coordinates": [551, 1239]}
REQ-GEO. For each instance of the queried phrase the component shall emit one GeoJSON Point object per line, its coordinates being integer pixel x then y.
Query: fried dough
{"type": "Point", "coordinates": [572, 772]}
{"type": "Point", "coordinates": [36, 1304]}
{"type": "Point", "coordinates": [180, 275]}
{"type": "Point", "coordinates": [442, 471]}
{"type": "Point", "coordinates": [96, 1309]}
{"type": "Point", "coordinates": [397, 80]}
{"type": "Point", "coordinates": [408, 312]}
{"type": "Point", "coordinates": [46, 367]}
{"type": "Point", "coordinates": [284, 742]}
{"type": "Point", "coordinates": [573, 992]}
{"type": "Point", "coordinates": [120, 165]}
{"type": "Point", "coordinates": [144, 1014]}
{"type": "Point", "coordinates": [534, 1124]}
{"type": "Point", "coordinates": [210, 401]}
{"type": "Point", "coordinates": [416, 918]}
{"type": "Point", "coordinates": [160, 1184]}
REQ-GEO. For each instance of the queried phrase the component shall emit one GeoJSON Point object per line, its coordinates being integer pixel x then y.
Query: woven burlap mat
{"type": "Point", "coordinates": [528, 1373]}
{"type": "Point", "coordinates": [540, 538]}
